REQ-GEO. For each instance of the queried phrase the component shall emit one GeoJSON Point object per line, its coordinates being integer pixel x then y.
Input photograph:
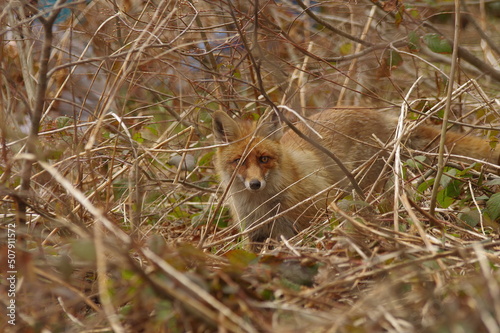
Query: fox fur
{"type": "Point", "coordinates": [275, 179]}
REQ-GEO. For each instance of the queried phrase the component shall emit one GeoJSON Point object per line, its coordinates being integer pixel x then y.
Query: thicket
{"type": "Point", "coordinates": [113, 219]}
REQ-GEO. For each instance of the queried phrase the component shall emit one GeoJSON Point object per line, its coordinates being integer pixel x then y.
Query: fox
{"type": "Point", "coordinates": [277, 183]}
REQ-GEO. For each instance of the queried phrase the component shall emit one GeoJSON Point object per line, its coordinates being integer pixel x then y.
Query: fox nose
{"type": "Point", "coordinates": [255, 184]}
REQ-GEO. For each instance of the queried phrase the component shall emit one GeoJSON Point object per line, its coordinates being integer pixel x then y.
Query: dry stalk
{"type": "Point", "coordinates": [444, 128]}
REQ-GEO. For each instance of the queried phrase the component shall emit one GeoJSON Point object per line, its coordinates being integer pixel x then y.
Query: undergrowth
{"type": "Point", "coordinates": [113, 219]}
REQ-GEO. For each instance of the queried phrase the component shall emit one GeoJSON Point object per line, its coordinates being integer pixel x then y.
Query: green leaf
{"type": "Point", "coordinates": [346, 48]}
{"type": "Point", "coordinates": [120, 186]}
{"type": "Point", "coordinates": [445, 180]}
{"type": "Point", "coordinates": [63, 121]}
{"type": "Point", "coordinates": [138, 137]}
{"type": "Point", "coordinates": [493, 206]}
{"type": "Point", "coordinates": [298, 273]}
{"type": "Point", "coordinates": [399, 17]}
{"type": "Point", "coordinates": [54, 154]}
{"type": "Point", "coordinates": [413, 41]}
{"type": "Point", "coordinates": [493, 142]}
{"type": "Point", "coordinates": [425, 185]}
{"type": "Point", "coordinates": [241, 258]}
{"type": "Point", "coordinates": [352, 205]}
{"type": "Point", "coordinates": [83, 249]}
{"type": "Point", "coordinates": [394, 59]}
{"type": "Point", "coordinates": [443, 199]}
{"type": "Point", "coordinates": [452, 187]}
{"type": "Point", "coordinates": [416, 162]}
{"type": "Point", "coordinates": [267, 294]}
{"type": "Point", "coordinates": [437, 43]}
{"type": "Point", "coordinates": [65, 266]}
{"type": "Point", "coordinates": [493, 182]}
{"type": "Point", "coordinates": [153, 129]}
{"type": "Point", "coordinates": [470, 217]}
{"type": "Point", "coordinates": [206, 159]}
{"type": "Point", "coordinates": [414, 12]}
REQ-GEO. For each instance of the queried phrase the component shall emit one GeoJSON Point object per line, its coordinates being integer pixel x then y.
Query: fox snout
{"type": "Point", "coordinates": [255, 184]}
{"type": "Point", "coordinates": [253, 175]}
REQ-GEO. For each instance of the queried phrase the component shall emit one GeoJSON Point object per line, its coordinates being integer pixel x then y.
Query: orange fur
{"type": "Point", "coordinates": [275, 172]}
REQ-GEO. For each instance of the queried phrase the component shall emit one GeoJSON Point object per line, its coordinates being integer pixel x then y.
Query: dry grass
{"type": "Point", "coordinates": [104, 233]}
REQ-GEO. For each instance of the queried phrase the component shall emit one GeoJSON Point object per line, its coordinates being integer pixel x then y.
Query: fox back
{"type": "Point", "coordinates": [278, 183]}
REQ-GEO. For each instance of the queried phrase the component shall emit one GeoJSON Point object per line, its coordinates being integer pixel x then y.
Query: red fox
{"type": "Point", "coordinates": [277, 181]}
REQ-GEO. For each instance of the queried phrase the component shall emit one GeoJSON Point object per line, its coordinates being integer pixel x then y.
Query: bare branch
{"type": "Point", "coordinates": [36, 114]}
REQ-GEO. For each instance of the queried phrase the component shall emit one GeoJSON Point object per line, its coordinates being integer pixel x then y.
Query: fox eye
{"type": "Point", "coordinates": [264, 159]}
{"type": "Point", "coordinates": [236, 161]}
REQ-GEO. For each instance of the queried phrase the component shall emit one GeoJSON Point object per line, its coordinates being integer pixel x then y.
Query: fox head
{"type": "Point", "coordinates": [250, 150]}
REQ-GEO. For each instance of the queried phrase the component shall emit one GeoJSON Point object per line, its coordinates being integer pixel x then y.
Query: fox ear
{"type": "Point", "coordinates": [224, 127]}
{"type": "Point", "coordinates": [271, 128]}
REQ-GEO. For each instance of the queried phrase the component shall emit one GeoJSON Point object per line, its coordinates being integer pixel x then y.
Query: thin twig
{"type": "Point", "coordinates": [491, 43]}
{"type": "Point", "coordinates": [444, 126]}
{"type": "Point", "coordinates": [331, 27]}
